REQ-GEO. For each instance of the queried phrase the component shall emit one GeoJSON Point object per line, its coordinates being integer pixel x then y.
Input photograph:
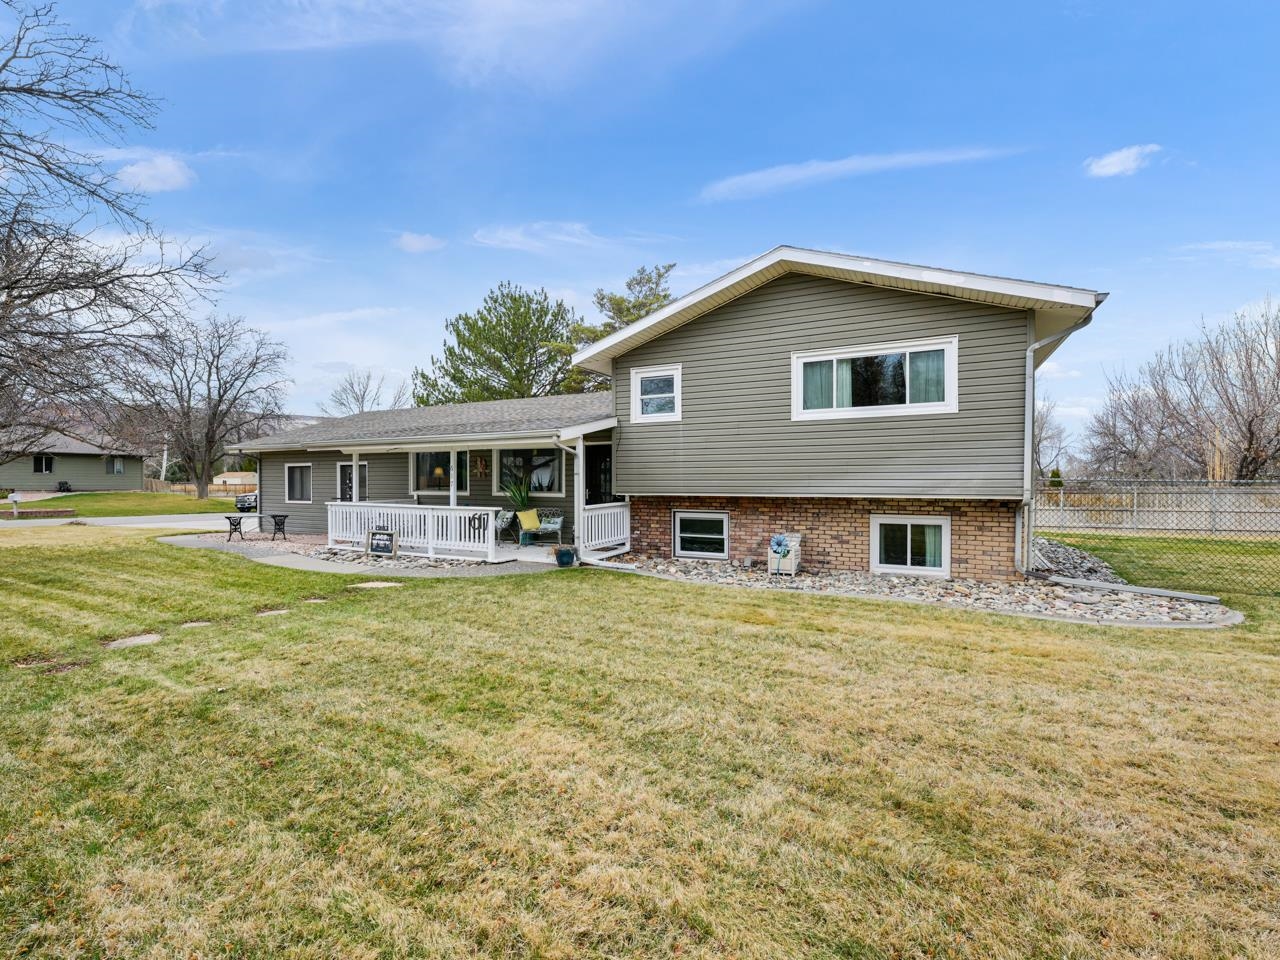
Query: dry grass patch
{"type": "Point", "coordinates": [591, 764]}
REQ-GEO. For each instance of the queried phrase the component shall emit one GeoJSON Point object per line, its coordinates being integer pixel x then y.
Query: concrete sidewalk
{"type": "Point", "coordinates": [295, 561]}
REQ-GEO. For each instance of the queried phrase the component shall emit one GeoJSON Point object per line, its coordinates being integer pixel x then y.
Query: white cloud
{"type": "Point", "coordinates": [540, 236]}
{"type": "Point", "coordinates": [790, 175]}
{"type": "Point", "coordinates": [411, 242]}
{"type": "Point", "coordinates": [541, 42]}
{"type": "Point", "coordinates": [1123, 162]}
{"type": "Point", "coordinates": [1262, 254]}
{"type": "Point", "coordinates": [157, 173]}
{"type": "Point", "coordinates": [1053, 370]}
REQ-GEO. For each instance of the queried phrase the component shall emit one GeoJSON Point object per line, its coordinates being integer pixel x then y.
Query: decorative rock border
{"type": "Point", "coordinates": [1030, 598]}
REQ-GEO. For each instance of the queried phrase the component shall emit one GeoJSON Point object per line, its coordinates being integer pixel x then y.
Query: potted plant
{"type": "Point", "coordinates": [517, 491]}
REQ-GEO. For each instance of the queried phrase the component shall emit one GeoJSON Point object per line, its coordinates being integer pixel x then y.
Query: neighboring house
{"type": "Point", "coordinates": [881, 410]}
{"type": "Point", "coordinates": [80, 464]}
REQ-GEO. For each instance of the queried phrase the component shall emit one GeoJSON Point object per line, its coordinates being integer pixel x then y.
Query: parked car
{"type": "Point", "coordinates": [247, 502]}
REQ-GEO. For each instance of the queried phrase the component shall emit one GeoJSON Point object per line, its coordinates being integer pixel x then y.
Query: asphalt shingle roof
{"type": "Point", "coordinates": [531, 415]}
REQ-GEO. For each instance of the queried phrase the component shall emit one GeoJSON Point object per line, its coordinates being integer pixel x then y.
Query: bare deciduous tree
{"type": "Point", "coordinates": [1208, 407]}
{"type": "Point", "coordinates": [73, 314]}
{"type": "Point", "coordinates": [207, 383]}
{"type": "Point", "coordinates": [359, 392]}
{"type": "Point", "coordinates": [1050, 437]}
{"type": "Point", "coordinates": [75, 303]}
{"type": "Point", "coordinates": [56, 85]}
{"type": "Point", "coordinates": [1129, 435]}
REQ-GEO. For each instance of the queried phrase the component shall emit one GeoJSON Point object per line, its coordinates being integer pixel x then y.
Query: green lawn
{"type": "Point", "coordinates": [1199, 564]}
{"type": "Point", "coordinates": [589, 764]}
{"type": "Point", "coordinates": [136, 504]}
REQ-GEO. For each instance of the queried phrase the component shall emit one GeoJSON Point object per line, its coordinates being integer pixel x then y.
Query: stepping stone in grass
{"type": "Point", "coordinates": [137, 641]}
{"type": "Point", "coordinates": [197, 623]}
{"type": "Point", "coordinates": [374, 585]}
{"type": "Point", "coordinates": [271, 613]}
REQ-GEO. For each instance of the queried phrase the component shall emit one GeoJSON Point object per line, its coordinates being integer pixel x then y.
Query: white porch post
{"type": "Point", "coordinates": [579, 491]}
{"type": "Point", "coordinates": [355, 477]}
{"type": "Point", "coordinates": [453, 478]}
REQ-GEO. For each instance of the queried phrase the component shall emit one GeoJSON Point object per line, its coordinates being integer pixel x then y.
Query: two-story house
{"type": "Point", "coordinates": [882, 410]}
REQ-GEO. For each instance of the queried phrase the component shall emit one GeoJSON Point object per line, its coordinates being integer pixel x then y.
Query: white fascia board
{"type": "Point", "coordinates": [582, 429]}
{"type": "Point", "coordinates": [780, 260]}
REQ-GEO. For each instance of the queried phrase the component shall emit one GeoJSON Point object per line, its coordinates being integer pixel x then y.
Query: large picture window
{"type": "Point", "coordinates": [915, 545]}
{"type": "Point", "coordinates": [655, 394]}
{"type": "Point", "coordinates": [913, 377]}
{"type": "Point", "coordinates": [543, 467]}
{"type": "Point", "coordinates": [297, 483]}
{"type": "Point", "coordinates": [431, 471]}
{"type": "Point", "coordinates": [699, 533]}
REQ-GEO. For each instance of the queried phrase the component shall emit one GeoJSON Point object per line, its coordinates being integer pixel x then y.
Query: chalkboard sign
{"type": "Point", "coordinates": [382, 543]}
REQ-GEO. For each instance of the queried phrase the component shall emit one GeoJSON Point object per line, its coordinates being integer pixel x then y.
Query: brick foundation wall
{"type": "Point", "coordinates": [837, 530]}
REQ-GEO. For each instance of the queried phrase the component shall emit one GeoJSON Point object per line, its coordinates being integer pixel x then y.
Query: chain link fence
{"type": "Point", "coordinates": [1224, 534]}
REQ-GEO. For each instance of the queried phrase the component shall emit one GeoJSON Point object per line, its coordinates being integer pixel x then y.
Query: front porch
{"type": "Point", "coordinates": [471, 532]}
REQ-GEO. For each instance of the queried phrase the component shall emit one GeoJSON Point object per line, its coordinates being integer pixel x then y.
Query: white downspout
{"type": "Point", "coordinates": [1022, 551]}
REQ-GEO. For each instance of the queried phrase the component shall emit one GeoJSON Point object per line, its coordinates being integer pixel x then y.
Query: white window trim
{"type": "Point", "coordinates": [677, 515]}
{"type": "Point", "coordinates": [287, 467]}
{"type": "Point", "coordinates": [938, 519]}
{"type": "Point", "coordinates": [337, 482]}
{"type": "Point", "coordinates": [673, 370]}
{"type": "Point", "coordinates": [951, 370]}
{"type": "Point", "coordinates": [533, 494]}
{"type": "Point", "coordinates": [413, 474]}
{"type": "Point", "coordinates": [42, 456]}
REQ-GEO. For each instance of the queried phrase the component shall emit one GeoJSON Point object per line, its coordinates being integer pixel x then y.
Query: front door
{"type": "Point", "coordinates": [344, 481]}
{"type": "Point", "coordinates": [599, 473]}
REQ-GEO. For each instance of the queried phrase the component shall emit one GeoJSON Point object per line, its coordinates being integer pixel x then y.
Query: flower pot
{"type": "Point", "coordinates": [564, 556]}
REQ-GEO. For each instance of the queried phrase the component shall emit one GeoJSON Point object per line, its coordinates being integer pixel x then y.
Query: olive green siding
{"type": "Point", "coordinates": [84, 471]}
{"type": "Point", "coordinates": [736, 435]}
{"type": "Point", "coordinates": [388, 483]}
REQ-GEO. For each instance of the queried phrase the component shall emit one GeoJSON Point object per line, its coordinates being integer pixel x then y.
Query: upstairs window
{"type": "Point", "coordinates": [913, 377]}
{"type": "Point", "coordinates": [655, 394]}
{"type": "Point", "coordinates": [42, 463]}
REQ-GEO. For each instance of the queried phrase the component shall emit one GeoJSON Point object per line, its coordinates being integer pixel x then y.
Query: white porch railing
{"type": "Point", "coordinates": [606, 525]}
{"type": "Point", "coordinates": [460, 532]}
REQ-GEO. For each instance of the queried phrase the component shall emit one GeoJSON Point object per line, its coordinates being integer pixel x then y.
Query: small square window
{"type": "Point", "coordinates": [701, 534]}
{"type": "Point", "coordinates": [115, 466]}
{"type": "Point", "coordinates": [42, 463]}
{"type": "Point", "coordinates": [915, 545]}
{"type": "Point", "coordinates": [655, 394]}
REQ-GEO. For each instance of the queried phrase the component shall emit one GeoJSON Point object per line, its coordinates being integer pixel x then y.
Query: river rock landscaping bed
{"type": "Point", "coordinates": [1072, 562]}
{"type": "Point", "coordinates": [1036, 598]}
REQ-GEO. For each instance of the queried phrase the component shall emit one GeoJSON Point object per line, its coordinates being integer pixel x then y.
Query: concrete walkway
{"type": "Point", "coordinates": [182, 521]}
{"type": "Point", "coordinates": [260, 553]}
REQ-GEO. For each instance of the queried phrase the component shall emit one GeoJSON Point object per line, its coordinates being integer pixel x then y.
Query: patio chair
{"type": "Point", "coordinates": [548, 521]}
{"type": "Point", "coordinates": [503, 523]}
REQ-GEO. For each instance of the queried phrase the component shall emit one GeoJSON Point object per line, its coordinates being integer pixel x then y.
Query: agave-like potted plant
{"type": "Point", "coordinates": [517, 491]}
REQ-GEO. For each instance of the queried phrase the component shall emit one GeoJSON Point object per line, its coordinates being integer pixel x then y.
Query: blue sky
{"type": "Point", "coordinates": [365, 169]}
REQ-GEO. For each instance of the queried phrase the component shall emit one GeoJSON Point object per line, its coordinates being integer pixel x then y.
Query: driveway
{"type": "Point", "coordinates": [184, 521]}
